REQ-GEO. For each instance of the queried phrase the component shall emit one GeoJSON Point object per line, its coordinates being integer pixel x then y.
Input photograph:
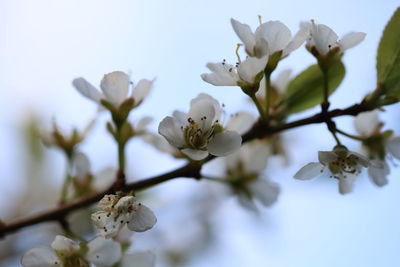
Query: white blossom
{"type": "Point", "coordinates": [199, 132]}
{"type": "Point", "coordinates": [244, 170]}
{"type": "Point", "coordinates": [269, 37]}
{"type": "Point", "coordinates": [325, 39]}
{"type": "Point", "coordinates": [246, 72]}
{"type": "Point", "coordinates": [116, 212]}
{"type": "Point", "coordinates": [368, 125]}
{"type": "Point", "coordinates": [279, 84]}
{"type": "Point", "coordinates": [82, 170]}
{"type": "Point", "coordinates": [340, 164]}
{"type": "Point", "coordinates": [59, 137]}
{"type": "Point", "coordinates": [115, 88]}
{"type": "Point", "coordinates": [68, 253]}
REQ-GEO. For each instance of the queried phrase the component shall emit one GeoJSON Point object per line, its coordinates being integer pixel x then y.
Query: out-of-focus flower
{"type": "Point", "coordinates": [245, 74]}
{"type": "Point", "coordinates": [340, 164]}
{"type": "Point", "coordinates": [66, 142]}
{"type": "Point", "coordinates": [199, 132]}
{"type": "Point", "coordinates": [324, 39]}
{"type": "Point", "coordinates": [244, 170]}
{"type": "Point", "coordinates": [116, 212]}
{"type": "Point", "coordinates": [85, 180]}
{"type": "Point", "coordinates": [378, 145]}
{"type": "Point", "coordinates": [69, 253]}
{"type": "Point", "coordinates": [269, 38]}
{"type": "Point", "coordinates": [278, 88]}
{"type": "Point", "coordinates": [115, 89]}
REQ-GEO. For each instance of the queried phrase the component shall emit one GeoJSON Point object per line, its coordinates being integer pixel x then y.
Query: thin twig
{"type": "Point", "coordinates": [259, 130]}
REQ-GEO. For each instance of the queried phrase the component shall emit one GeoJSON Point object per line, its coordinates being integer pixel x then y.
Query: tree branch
{"type": "Point", "coordinates": [190, 170]}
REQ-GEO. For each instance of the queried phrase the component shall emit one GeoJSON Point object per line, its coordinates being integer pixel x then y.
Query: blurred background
{"type": "Point", "coordinates": [45, 44]}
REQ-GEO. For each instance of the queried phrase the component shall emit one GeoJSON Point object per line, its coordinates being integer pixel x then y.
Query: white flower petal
{"type": "Point", "coordinates": [351, 39]}
{"type": "Point", "coordinates": [346, 183]}
{"type": "Point", "coordinates": [265, 191]}
{"type": "Point", "coordinates": [40, 257]}
{"type": "Point", "coordinates": [87, 90]}
{"type": "Point", "coordinates": [324, 37]}
{"type": "Point", "coordinates": [143, 123]}
{"type": "Point", "coordinates": [379, 175]}
{"type": "Point", "coordinates": [159, 143]}
{"type": "Point", "coordinates": [222, 74]}
{"type": "Point", "coordinates": [224, 143]}
{"type": "Point", "coordinates": [262, 48]}
{"type": "Point", "coordinates": [297, 41]}
{"type": "Point", "coordinates": [245, 34]}
{"type": "Point", "coordinates": [393, 145]}
{"type": "Point", "coordinates": [366, 122]}
{"type": "Point", "coordinates": [204, 112]}
{"type": "Point", "coordinates": [64, 244]}
{"type": "Point", "coordinates": [115, 86]}
{"type": "Point", "coordinates": [141, 90]}
{"type": "Point", "coordinates": [252, 66]}
{"type": "Point", "coordinates": [325, 157]}
{"type": "Point", "coordinates": [170, 128]}
{"type": "Point", "coordinates": [282, 81]}
{"type": "Point", "coordinates": [254, 156]}
{"type": "Point", "coordinates": [241, 122]}
{"type": "Point", "coordinates": [138, 259]}
{"type": "Point", "coordinates": [311, 170]}
{"type": "Point", "coordinates": [81, 164]}
{"type": "Point", "coordinates": [247, 203]}
{"type": "Point", "coordinates": [142, 219]}
{"type": "Point", "coordinates": [105, 252]}
{"type": "Point", "coordinates": [107, 224]}
{"type": "Point", "coordinates": [195, 154]}
{"type": "Point", "coordinates": [276, 34]}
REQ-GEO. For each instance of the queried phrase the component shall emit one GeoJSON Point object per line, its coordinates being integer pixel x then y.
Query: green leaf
{"type": "Point", "coordinates": [306, 89]}
{"type": "Point", "coordinates": [388, 59]}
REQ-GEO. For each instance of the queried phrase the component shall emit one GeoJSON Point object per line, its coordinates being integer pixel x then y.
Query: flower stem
{"type": "Point", "coordinates": [336, 138]}
{"type": "Point", "coordinates": [121, 156]}
{"type": "Point", "coordinates": [325, 103]}
{"type": "Point", "coordinates": [258, 105]}
{"type": "Point", "coordinates": [67, 182]}
{"type": "Point", "coordinates": [268, 92]}
{"type": "Point", "coordinates": [359, 138]}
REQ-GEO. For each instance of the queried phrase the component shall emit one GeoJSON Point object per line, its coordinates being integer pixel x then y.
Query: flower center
{"type": "Point", "coordinates": [343, 166]}
{"type": "Point", "coordinates": [197, 135]}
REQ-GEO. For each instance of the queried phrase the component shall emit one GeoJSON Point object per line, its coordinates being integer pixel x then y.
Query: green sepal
{"type": "Point", "coordinates": [111, 129]}
{"type": "Point", "coordinates": [273, 61]}
{"type": "Point", "coordinates": [251, 89]}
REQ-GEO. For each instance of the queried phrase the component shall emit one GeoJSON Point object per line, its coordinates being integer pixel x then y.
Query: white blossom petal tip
{"type": "Point", "coordinates": [115, 86]}
{"type": "Point", "coordinates": [309, 171]}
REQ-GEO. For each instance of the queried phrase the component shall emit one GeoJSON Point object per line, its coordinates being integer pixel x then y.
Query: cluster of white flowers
{"type": "Point", "coordinates": [200, 132]}
{"type": "Point", "coordinates": [116, 212]}
{"type": "Point", "coordinates": [68, 253]}
{"type": "Point", "coordinates": [269, 38]}
{"type": "Point", "coordinates": [65, 252]}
